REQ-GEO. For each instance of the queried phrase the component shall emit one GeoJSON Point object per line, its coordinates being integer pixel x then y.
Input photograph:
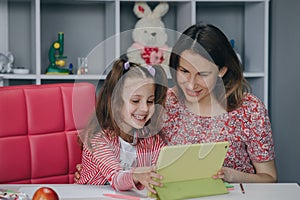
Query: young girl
{"type": "Point", "coordinates": [122, 140]}
{"type": "Point", "coordinates": [211, 102]}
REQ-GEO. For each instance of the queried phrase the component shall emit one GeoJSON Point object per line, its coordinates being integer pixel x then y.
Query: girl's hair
{"type": "Point", "coordinates": [211, 43]}
{"type": "Point", "coordinates": [109, 100]}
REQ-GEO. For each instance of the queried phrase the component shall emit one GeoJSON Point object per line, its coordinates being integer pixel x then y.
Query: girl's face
{"type": "Point", "coordinates": [139, 100]}
{"type": "Point", "coordinates": [196, 76]}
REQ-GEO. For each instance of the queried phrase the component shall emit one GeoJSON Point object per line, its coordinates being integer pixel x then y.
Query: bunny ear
{"type": "Point", "coordinates": [10, 57]}
{"type": "Point", "coordinates": [161, 9]}
{"type": "Point", "coordinates": [141, 9]}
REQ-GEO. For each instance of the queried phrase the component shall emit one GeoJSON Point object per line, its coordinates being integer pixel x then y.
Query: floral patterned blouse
{"type": "Point", "coordinates": [247, 129]}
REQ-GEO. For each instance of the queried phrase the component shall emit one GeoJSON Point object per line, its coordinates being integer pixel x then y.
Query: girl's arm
{"type": "Point", "coordinates": [105, 157]}
{"type": "Point", "coordinates": [108, 162]}
{"type": "Point", "coordinates": [265, 173]}
{"type": "Point", "coordinates": [147, 175]}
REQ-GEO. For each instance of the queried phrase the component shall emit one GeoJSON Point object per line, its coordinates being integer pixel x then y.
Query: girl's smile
{"type": "Point", "coordinates": [140, 118]}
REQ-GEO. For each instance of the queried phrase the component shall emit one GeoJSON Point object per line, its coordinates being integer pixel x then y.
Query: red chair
{"type": "Point", "coordinates": [38, 131]}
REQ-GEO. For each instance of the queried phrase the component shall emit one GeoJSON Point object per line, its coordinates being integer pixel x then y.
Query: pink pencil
{"type": "Point", "coordinates": [120, 196]}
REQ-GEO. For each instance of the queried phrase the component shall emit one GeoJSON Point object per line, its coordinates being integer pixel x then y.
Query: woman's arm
{"type": "Point", "coordinates": [265, 173]}
{"type": "Point", "coordinates": [259, 145]}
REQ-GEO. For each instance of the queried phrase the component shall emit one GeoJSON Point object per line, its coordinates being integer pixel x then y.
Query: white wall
{"type": "Point", "coordinates": [284, 87]}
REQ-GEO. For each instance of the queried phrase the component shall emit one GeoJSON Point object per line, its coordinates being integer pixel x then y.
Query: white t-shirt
{"type": "Point", "coordinates": [128, 157]}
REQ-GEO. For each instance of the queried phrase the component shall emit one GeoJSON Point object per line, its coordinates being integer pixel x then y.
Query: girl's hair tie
{"type": "Point", "coordinates": [126, 65]}
{"type": "Point", "coordinates": [150, 69]}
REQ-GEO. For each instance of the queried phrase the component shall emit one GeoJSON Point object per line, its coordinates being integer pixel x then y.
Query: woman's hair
{"type": "Point", "coordinates": [211, 43]}
{"type": "Point", "coordinates": [109, 101]}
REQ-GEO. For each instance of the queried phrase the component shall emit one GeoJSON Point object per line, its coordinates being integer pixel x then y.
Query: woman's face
{"type": "Point", "coordinates": [196, 76]}
{"type": "Point", "coordinates": [139, 103]}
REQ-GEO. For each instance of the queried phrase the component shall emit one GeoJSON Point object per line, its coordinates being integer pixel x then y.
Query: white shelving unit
{"type": "Point", "coordinates": [101, 30]}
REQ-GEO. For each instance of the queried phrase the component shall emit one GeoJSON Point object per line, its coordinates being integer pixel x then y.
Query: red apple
{"type": "Point", "coordinates": [45, 193]}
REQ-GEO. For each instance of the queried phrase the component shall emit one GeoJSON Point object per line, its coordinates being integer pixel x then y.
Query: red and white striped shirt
{"type": "Point", "coordinates": [101, 162]}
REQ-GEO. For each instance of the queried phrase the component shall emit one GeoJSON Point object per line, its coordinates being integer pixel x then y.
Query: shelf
{"type": "Point", "coordinates": [254, 74]}
{"type": "Point", "coordinates": [18, 37]}
{"type": "Point", "coordinates": [73, 77]}
{"type": "Point", "coordinates": [18, 76]}
{"type": "Point", "coordinates": [89, 77]}
{"type": "Point", "coordinates": [101, 30]}
{"type": "Point", "coordinates": [86, 31]}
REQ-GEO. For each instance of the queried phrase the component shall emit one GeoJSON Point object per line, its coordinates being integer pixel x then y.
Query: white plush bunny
{"type": "Point", "coordinates": [149, 36]}
{"type": "Point", "coordinates": [6, 62]}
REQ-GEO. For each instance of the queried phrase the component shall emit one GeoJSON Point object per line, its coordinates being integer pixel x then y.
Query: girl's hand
{"type": "Point", "coordinates": [146, 176]}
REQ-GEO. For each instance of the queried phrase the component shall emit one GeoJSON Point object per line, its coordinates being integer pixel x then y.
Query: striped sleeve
{"type": "Point", "coordinates": [147, 153]}
{"type": "Point", "coordinates": [156, 147]}
{"type": "Point", "coordinates": [107, 155]}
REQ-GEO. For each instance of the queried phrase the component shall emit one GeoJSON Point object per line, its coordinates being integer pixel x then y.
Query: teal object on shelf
{"type": "Point", "coordinates": [56, 57]}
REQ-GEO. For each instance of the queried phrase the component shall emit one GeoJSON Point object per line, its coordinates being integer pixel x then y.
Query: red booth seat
{"type": "Point", "coordinates": [38, 131]}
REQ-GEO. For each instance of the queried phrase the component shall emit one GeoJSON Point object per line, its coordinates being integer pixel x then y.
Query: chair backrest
{"type": "Point", "coordinates": [38, 131]}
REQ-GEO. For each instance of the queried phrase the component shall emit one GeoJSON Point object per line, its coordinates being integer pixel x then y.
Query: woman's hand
{"type": "Point", "coordinates": [146, 176]}
{"type": "Point", "coordinates": [225, 173]}
{"type": "Point", "coordinates": [77, 173]}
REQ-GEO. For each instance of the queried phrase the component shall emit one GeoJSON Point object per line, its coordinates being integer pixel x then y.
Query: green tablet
{"type": "Point", "coordinates": [188, 170]}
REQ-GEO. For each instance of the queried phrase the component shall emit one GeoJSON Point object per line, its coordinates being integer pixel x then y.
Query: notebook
{"type": "Point", "coordinates": [188, 170]}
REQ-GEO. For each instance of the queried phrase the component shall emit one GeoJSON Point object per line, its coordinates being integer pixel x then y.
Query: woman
{"type": "Point", "coordinates": [211, 102]}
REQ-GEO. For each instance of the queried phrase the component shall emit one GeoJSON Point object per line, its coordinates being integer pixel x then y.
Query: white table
{"type": "Point", "coordinates": [272, 191]}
